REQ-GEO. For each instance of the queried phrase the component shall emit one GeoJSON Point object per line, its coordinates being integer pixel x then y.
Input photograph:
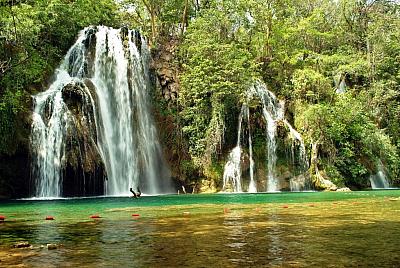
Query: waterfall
{"type": "Point", "coordinates": [112, 65]}
{"type": "Point", "coordinates": [273, 113]}
{"type": "Point", "coordinates": [232, 169]}
{"type": "Point", "coordinates": [340, 84]}
{"type": "Point", "coordinates": [379, 180]}
{"type": "Point", "coordinates": [252, 185]}
{"type": "Point", "coordinates": [48, 141]}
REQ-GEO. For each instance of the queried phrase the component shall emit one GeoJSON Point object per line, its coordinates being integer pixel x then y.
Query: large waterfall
{"type": "Point", "coordinates": [273, 113]}
{"type": "Point", "coordinates": [111, 68]}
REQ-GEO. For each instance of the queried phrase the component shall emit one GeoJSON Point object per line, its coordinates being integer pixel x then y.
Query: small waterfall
{"type": "Point", "coordinates": [298, 183]}
{"type": "Point", "coordinates": [114, 73]}
{"type": "Point", "coordinates": [379, 180]}
{"type": "Point", "coordinates": [340, 83]}
{"type": "Point", "coordinates": [273, 112]}
{"type": "Point", "coordinates": [232, 170]}
{"type": "Point", "coordinates": [252, 185]}
{"type": "Point", "coordinates": [297, 140]}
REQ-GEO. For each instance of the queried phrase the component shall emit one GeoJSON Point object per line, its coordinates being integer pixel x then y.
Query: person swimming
{"type": "Point", "coordinates": [136, 195]}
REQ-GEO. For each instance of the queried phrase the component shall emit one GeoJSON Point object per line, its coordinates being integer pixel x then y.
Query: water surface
{"type": "Point", "coordinates": [220, 230]}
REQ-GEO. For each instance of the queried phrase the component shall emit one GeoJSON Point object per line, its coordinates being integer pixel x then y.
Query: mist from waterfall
{"type": "Point", "coordinates": [115, 75]}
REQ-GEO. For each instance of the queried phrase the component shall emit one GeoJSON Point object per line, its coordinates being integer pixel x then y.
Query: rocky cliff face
{"type": "Point", "coordinates": [84, 171]}
{"type": "Point", "coordinates": [166, 70]}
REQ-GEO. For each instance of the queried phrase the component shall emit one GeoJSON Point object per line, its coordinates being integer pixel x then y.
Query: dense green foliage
{"type": "Point", "coordinates": [305, 51]}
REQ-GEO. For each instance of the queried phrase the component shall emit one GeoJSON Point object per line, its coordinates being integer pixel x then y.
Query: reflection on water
{"type": "Point", "coordinates": [274, 237]}
{"type": "Point", "coordinates": [342, 233]}
{"type": "Point", "coordinates": [236, 236]}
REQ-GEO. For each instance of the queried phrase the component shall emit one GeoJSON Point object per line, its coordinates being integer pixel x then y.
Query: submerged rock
{"type": "Point", "coordinates": [51, 246]}
{"type": "Point", "coordinates": [23, 244]}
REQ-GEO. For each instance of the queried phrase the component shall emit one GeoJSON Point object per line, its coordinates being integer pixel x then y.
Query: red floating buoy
{"type": "Point", "coordinates": [49, 218]}
{"type": "Point", "coordinates": [2, 218]}
{"type": "Point", "coordinates": [95, 217]}
{"type": "Point", "coordinates": [226, 210]}
{"type": "Point", "coordinates": [285, 206]}
{"type": "Point", "coordinates": [135, 215]}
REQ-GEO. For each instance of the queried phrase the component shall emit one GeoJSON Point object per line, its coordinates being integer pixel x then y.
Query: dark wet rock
{"type": "Point", "coordinates": [23, 244]}
{"type": "Point", "coordinates": [90, 44]}
{"type": "Point", "coordinates": [84, 171]}
{"type": "Point", "coordinates": [137, 39]}
{"type": "Point", "coordinates": [73, 94]}
{"type": "Point", "coordinates": [124, 33]}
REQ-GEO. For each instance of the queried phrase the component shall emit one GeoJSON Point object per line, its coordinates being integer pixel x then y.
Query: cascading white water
{"type": "Point", "coordinates": [252, 184]}
{"type": "Point", "coordinates": [295, 136]}
{"type": "Point", "coordinates": [379, 180]}
{"type": "Point", "coordinates": [232, 169]}
{"type": "Point", "coordinates": [50, 122]}
{"type": "Point", "coordinates": [340, 83]}
{"type": "Point", "coordinates": [273, 112]}
{"type": "Point", "coordinates": [48, 141]}
{"type": "Point", "coordinates": [126, 135]}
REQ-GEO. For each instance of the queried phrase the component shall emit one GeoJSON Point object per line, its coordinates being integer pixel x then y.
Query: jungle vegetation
{"type": "Point", "coordinates": [336, 63]}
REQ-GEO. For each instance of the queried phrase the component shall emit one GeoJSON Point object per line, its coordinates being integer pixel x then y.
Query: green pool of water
{"type": "Point", "coordinates": [320, 229]}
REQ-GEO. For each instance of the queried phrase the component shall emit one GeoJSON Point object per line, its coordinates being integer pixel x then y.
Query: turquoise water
{"type": "Point", "coordinates": [219, 230]}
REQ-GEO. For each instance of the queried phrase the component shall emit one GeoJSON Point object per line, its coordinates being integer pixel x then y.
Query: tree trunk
{"type": "Point", "coordinates": [184, 17]}
{"type": "Point", "coordinates": [152, 12]}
